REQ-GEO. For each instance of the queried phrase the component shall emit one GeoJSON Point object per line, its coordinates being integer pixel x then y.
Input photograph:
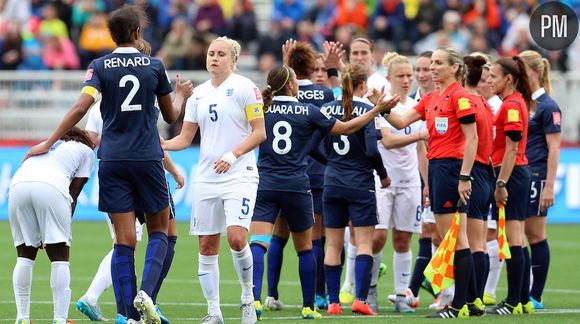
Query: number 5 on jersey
{"type": "Point", "coordinates": [213, 113]}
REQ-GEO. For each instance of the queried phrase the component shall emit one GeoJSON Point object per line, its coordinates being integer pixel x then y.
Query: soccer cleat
{"type": "Point", "coordinates": [445, 298]}
{"type": "Point", "coordinates": [273, 304]}
{"type": "Point", "coordinates": [309, 313]}
{"type": "Point", "coordinates": [23, 321]}
{"type": "Point", "coordinates": [212, 319]}
{"type": "Point", "coordinates": [345, 297]}
{"type": "Point", "coordinates": [450, 312]}
{"type": "Point", "coordinates": [504, 308]}
{"type": "Point", "coordinates": [412, 301]}
{"type": "Point", "coordinates": [489, 299]}
{"type": "Point", "coordinates": [477, 308]}
{"type": "Point", "coordinates": [361, 308]}
{"type": "Point", "coordinates": [334, 309]}
{"type": "Point", "coordinates": [163, 319]}
{"type": "Point", "coordinates": [320, 302]}
{"type": "Point", "coordinates": [120, 319]}
{"type": "Point", "coordinates": [528, 308]}
{"type": "Point", "coordinates": [382, 269]}
{"type": "Point", "coordinates": [426, 285]}
{"type": "Point", "coordinates": [537, 304]}
{"type": "Point", "coordinates": [146, 308]}
{"type": "Point", "coordinates": [248, 313]}
{"type": "Point", "coordinates": [92, 311]}
{"type": "Point", "coordinates": [259, 309]}
{"type": "Point", "coordinates": [402, 305]}
{"type": "Point", "coordinates": [132, 321]}
{"type": "Point", "coordinates": [62, 321]}
{"type": "Point", "coordinates": [372, 299]}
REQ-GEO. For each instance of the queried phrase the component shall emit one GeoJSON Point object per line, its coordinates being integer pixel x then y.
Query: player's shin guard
{"type": "Point", "coordinates": [123, 265]}
{"type": "Point", "coordinates": [275, 258]}
{"type": "Point", "coordinates": [307, 272]}
{"type": "Point", "coordinates": [22, 283]}
{"type": "Point", "coordinates": [171, 241]}
{"type": "Point", "coordinates": [154, 259]}
{"type": "Point", "coordinates": [463, 272]}
{"type": "Point", "coordinates": [541, 263]}
{"type": "Point", "coordinates": [258, 252]}
{"type": "Point", "coordinates": [362, 272]}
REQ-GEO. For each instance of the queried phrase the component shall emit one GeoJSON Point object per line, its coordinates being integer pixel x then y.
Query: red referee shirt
{"type": "Point", "coordinates": [484, 120]}
{"type": "Point", "coordinates": [512, 116]}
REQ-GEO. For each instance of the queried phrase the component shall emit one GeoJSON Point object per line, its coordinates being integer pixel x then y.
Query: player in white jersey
{"type": "Point", "coordinates": [228, 111]}
{"type": "Point", "coordinates": [41, 202]}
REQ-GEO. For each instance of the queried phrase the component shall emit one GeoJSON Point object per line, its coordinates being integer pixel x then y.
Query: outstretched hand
{"type": "Point", "coordinates": [183, 88]}
{"type": "Point", "coordinates": [387, 105]}
{"type": "Point", "coordinates": [333, 52]}
{"type": "Point", "coordinates": [286, 47]}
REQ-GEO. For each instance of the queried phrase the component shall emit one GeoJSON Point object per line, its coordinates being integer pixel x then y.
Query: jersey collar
{"type": "Point", "coordinates": [304, 82]}
{"type": "Point", "coordinates": [284, 98]}
{"type": "Point", "coordinates": [125, 50]}
{"type": "Point", "coordinates": [538, 93]}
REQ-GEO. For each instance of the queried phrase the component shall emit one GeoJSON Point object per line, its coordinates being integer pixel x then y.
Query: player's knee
{"type": "Point", "coordinates": [237, 243]}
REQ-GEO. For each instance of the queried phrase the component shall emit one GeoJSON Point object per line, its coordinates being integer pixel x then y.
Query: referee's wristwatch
{"type": "Point", "coordinates": [465, 177]}
{"type": "Point", "coordinates": [500, 183]}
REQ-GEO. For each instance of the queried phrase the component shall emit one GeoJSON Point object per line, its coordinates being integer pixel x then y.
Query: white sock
{"type": "Point", "coordinates": [377, 259]}
{"type": "Point", "coordinates": [102, 280]}
{"type": "Point", "coordinates": [243, 263]}
{"type": "Point", "coordinates": [22, 282]}
{"type": "Point", "coordinates": [495, 266]}
{"type": "Point", "coordinates": [402, 271]}
{"type": "Point", "coordinates": [208, 272]}
{"type": "Point", "coordinates": [60, 285]}
{"type": "Point", "coordinates": [433, 249]}
{"type": "Point", "coordinates": [348, 284]}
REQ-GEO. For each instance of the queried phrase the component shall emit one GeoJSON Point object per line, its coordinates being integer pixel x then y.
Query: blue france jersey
{"type": "Point", "coordinates": [348, 164]}
{"type": "Point", "coordinates": [547, 119]}
{"type": "Point", "coordinates": [129, 82]}
{"type": "Point", "coordinates": [289, 128]}
{"type": "Point", "coordinates": [317, 95]}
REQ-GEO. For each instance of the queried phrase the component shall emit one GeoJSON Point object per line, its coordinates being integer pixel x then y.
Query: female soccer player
{"type": "Point", "coordinates": [228, 111]}
{"type": "Point", "coordinates": [509, 80]}
{"type": "Point", "coordinates": [450, 117]}
{"type": "Point", "coordinates": [399, 205]}
{"type": "Point", "coordinates": [130, 170]}
{"type": "Point", "coordinates": [542, 151]}
{"type": "Point", "coordinates": [423, 76]}
{"type": "Point", "coordinates": [42, 199]}
{"type": "Point", "coordinates": [284, 187]}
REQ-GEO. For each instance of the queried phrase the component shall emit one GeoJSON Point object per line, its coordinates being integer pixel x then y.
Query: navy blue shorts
{"type": "Point", "coordinates": [536, 187]}
{"type": "Point", "coordinates": [295, 207]}
{"type": "Point", "coordinates": [126, 186]}
{"type": "Point", "coordinates": [341, 204]}
{"type": "Point", "coordinates": [317, 200]}
{"type": "Point", "coordinates": [443, 182]}
{"type": "Point", "coordinates": [481, 191]}
{"type": "Point", "coordinates": [518, 188]}
{"type": "Point", "coordinates": [141, 216]}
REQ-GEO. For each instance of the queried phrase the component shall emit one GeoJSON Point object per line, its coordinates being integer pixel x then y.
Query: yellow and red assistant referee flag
{"type": "Point", "coordinates": [504, 248]}
{"type": "Point", "coordinates": [439, 271]}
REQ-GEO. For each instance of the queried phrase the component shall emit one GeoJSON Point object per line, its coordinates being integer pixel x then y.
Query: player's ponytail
{"type": "Point", "coordinates": [277, 83]}
{"type": "Point", "coordinates": [78, 135]}
{"type": "Point", "coordinates": [473, 69]}
{"type": "Point", "coordinates": [353, 75]}
{"type": "Point", "coordinates": [516, 67]}
{"type": "Point", "coordinates": [539, 64]}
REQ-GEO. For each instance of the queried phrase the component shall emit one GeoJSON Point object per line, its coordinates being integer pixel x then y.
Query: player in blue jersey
{"type": "Point", "coordinates": [349, 189]}
{"type": "Point", "coordinates": [284, 186]}
{"type": "Point", "coordinates": [131, 173]}
{"type": "Point", "coordinates": [543, 151]}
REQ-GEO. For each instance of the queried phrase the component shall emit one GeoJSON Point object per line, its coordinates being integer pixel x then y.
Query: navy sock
{"type": "Point", "coordinates": [258, 252]}
{"type": "Point", "coordinates": [421, 262]}
{"type": "Point", "coordinates": [463, 273]}
{"type": "Point", "coordinates": [333, 274]}
{"type": "Point", "coordinates": [318, 249]}
{"type": "Point", "coordinates": [116, 286]}
{"type": "Point", "coordinates": [307, 272]}
{"type": "Point", "coordinates": [525, 293]}
{"type": "Point", "coordinates": [479, 267]}
{"type": "Point", "coordinates": [515, 268]}
{"type": "Point", "coordinates": [275, 258]}
{"type": "Point", "coordinates": [124, 266]}
{"type": "Point", "coordinates": [486, 274]}
{"type": "Point", "coordinates": [154, 258]}
{"type": "Point", "coordinates": [541, 263]}
{"type": "Point", "coordinates": [363, 264]}
{"type": "Point", "coordinates": [171, 241]}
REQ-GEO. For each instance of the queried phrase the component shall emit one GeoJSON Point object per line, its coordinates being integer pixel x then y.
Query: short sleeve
{"type": "Point", "coordinates": [92, 83]}
{"type": "Point", "coordinates": [328, 95]}
{"type": "Point", "coordinates": [552, 119]}
{"type": "Point", "coordinates": [84, 170]}
{"type": "Point", "coordinates": [420, 107]}
{"type": "Point", "coordinates": [373, 129]}
{"type": "Point", "coordinates": [322, 122]}
{"type": "Point", "coordinates": [95, 121]}
{"type": "Point", "coordinates": [191, 110]}
{"type": "Point", "coordinates": [513, 116]}
{"type": "Point", "coordinates": [164, 85]}
{"type": "Point", "coordinates": [464, 105]}
{"type": "Point", "coordinates": [252, 101]}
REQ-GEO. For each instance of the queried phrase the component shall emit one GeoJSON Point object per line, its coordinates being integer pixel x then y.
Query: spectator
{"type": "Point", "coordinates": [427, 20]}
{"type": "Point", "coordinates": [11, 53]}
{"type": "Point", "coordinates": [172, 9]}
{"type": "Point", "coordinates": [453, 34]}
{"type": "Point", "coordinates": [306, 33]}
{"type": "Point", "coordinates": [95, 39]}
{"type": "Point", "coordinates": [389, 22]}
{"type": "Point", "coordinates": [289, 13]}
{"type": "Point", "coordinates": [149, 29]}
{"type": "Point", "coordinates": [352, 13]}
{"type": "Point", "coordinates": [197, 53]}
{"type": "Point", "coordinates": [82, 11]}
{"type": "Point", "coordinates": [269, 45]}
{"type": "Point", "coordinates": [228, 8]}
{"type": "Point", "coordinates": [64, 9]}
{"type": "Point", "coordinates": [59, 54]}
{"type": "Point", "coordinates": [323, 14]}
{"type": "Point", "coordinates": [209, 17]}
{"type": "Point", "coordinates": [32, 47]}
{"type": "Point", "coordinates": [51, 24]}
{"type": "Point", "coordinates": [243, 24]}
{"type": "Point", "coordinates": [177, 45]}
{"type": "Point", "coordinates": [16, 10]}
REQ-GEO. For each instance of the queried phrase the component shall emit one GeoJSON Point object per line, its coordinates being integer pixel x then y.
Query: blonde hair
{"type": "Point", "coordinates": [234, 47]}
{"type": "Point", "coordinates": [455, 57]}
{"type": "Point", "coordinates": [540, 64]}
{"type": "Point", "coordinates": [392, 58]}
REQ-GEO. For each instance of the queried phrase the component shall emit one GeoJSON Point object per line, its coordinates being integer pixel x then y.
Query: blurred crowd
{"type": "Point", "coordinates": [68, 34]}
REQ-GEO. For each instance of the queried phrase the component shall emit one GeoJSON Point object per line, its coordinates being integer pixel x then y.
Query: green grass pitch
{"type": "Point", "coordinates": [182, 301]}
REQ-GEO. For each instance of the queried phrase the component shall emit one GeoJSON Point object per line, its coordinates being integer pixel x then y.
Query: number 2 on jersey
{"type": "Point", "coordinates": [213, 112]}
{"type": "Point", "coordinates": [126, 105]}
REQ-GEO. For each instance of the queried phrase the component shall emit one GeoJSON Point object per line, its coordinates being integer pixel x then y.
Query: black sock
{"type": "Point", "coordinates": [515, 268]}
{"type": "Point", "coordinates": [541, 262]}
{"type": "Point", "coordinates": [525, 293]}
{"type": "Point", "coordinates": [421, 262]}
{"type": "Point", "coordinates": [486, 274]}
{"type": "Point", "coordinates": [463, 271]}
{"type": "Point", "coordinates": [479, 267]}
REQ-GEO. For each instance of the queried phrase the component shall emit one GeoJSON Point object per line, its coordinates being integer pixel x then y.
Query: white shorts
{"type": "Point", "coordinates": [218, 205]}
{"type": "Point", "coordinates": [39, 214]}
{"type": "Point", "coordinates": [428, 216]}
{"type": "Point", "coordinates": [138, 228]}
{"type": "Point", "coordinates": [399, 208]}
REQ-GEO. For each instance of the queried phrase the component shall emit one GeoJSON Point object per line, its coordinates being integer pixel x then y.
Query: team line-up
{"type": "Point", "coordinates": [468, 163]}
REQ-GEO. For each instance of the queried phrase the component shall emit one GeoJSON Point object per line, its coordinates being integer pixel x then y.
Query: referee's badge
{"type": "Point", "coordinates": [441, 124]}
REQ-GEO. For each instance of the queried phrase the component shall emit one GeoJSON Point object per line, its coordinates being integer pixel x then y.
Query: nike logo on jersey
{"type": "Point", "coordinates": [242, 218]}
{"type": "Point", "coordinates": [248, 268]}
{"type": "Point", "coordinates": [202, 274]}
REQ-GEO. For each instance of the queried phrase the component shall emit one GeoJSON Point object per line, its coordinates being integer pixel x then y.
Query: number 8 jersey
{"type": "Point", "coordinates": [223, 115]}
{"type": "Point", "coordinates": [129, 83]}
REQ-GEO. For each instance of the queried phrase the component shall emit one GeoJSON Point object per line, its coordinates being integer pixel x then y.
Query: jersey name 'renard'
{"type": "Point", "coordinates": [115, 62]}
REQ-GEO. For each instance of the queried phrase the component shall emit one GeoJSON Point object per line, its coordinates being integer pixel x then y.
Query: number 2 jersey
{"type": "Point", "coordinates": [223, 114]}
{"type": "Point", "coordinates": [282, 160]}
{"type": "Point", "coordinates": [129, 83]}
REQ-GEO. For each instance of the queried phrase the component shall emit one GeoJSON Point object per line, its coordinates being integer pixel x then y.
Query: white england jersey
{"type": "Point", "coordinates": [402, 163]}
{"type": "Point", "coordinates": [378, 81]}
{"type": "Point", "coordinates": [64, 162]}
{"type": "Point", "coordinates": [223, 116]}
{"type": "Point", "coordinates": [495, 103]}
{"type": "Point", "coordinates": [95, 121]}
